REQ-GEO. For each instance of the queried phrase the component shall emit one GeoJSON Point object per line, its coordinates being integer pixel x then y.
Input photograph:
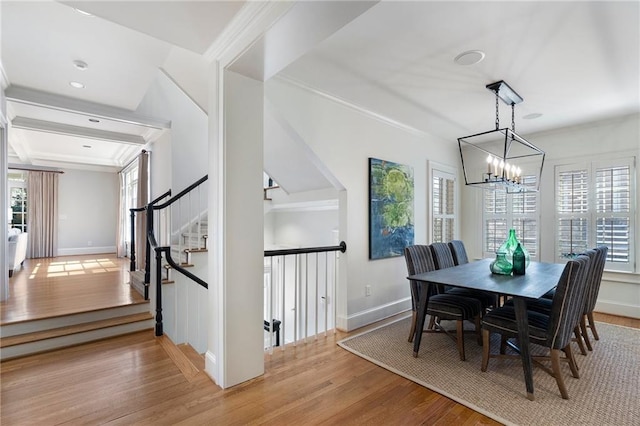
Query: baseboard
{"type": "Point", "coordinates": [86, 250]}
{"type": "Point", "coordinates": [210, 366]}
{"type": "Point", "coordinates": [616, 308]}
{"type": "Point", "coordinates": [369, 316]}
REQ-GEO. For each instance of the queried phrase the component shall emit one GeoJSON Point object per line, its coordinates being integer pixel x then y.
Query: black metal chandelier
{"type": "Point", "coordinates": [501, 158]}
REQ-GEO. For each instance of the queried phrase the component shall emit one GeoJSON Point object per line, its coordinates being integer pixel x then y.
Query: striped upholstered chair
{"type": "Point", "coordinates": [439, 306]}
{"type": "Point", "coordinates": [592, 296]}
{"type": "Point", "coordinates": [444, 258]}
{"type": "Point", "coordinates": [598, 258]}
{"type": "Point", "coordinates": [553, 331]}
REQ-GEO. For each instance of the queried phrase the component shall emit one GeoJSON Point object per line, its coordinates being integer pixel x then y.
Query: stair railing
{"type": "Point", "coordinates": [132, 259]}
{"type": "Point", "coordinates": [300, 286]}
{"type": "Point", "coordinates": [162, 246]}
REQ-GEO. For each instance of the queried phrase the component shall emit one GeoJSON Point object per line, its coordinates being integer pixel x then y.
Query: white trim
{"type": "Point", "coordinates": [369, 316]}
{"type": "Point", "coordinates": [86, 250]}
{"type": "Point", "coordinates": [210, 365]}
{"type": "Point", "coordinates": [28, 96]}
{"type": "Point", "coordinates": [309, 206]}
{"type": "Point", "coordinates": [617, 308]}
{"type": "Point", "coordinates": [358, 108]}
{"type": "Point", "coordinates": [251, 22]}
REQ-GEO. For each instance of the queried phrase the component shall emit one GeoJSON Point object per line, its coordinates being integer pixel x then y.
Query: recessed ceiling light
{"type": "Point", "coordinates": [94, 120]}
{"type": "Point", "coordinates": [81, 65]}
{"type": "Point", "coordinates": [86, 146]}
{"type": "Point", "coordinates": [532, 116]}
{"type": "Point", "coordinates": [76, 84]}
{"type": "Point", "coordinates": [470, 57]}
{"type": "Point", "coordinates": [82, 12]}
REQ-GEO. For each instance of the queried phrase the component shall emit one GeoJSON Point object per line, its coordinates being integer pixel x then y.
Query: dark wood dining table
{"type": "Point", "coordinates": [539, 278]}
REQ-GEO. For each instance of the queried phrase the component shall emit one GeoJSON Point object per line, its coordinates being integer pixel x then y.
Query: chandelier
{"type": "Point", "coordinates": [501, 158]}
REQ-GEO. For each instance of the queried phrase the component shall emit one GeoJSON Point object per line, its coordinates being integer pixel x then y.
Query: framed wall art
{"type": "Point", "coordinates": [391, 223]}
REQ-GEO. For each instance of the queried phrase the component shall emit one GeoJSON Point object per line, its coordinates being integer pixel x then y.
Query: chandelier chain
{"type": "Point", "coordinates": [513, 117]}
{"type": "Point", "coordinates": [497, 114]}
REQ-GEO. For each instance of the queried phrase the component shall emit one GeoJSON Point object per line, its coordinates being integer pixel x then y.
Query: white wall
{"type": "Point", "coordinates": [189, 130]}
{"type": "Point", "coordinates": [614, 138]}
{"type": "Point", "coordinates": [87, 213]}
{"type": "Point", "coordinates": [344, 138]}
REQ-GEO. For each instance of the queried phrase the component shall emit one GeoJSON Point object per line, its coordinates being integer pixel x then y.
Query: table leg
{"type": "Point", "coordinates": [422, 314]}
{"type": "Point", "coordinates": [523, 341]}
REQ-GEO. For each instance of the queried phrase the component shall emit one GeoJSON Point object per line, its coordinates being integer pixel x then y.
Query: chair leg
{"type": "Point", "coordinates": [503, 344]}
{"type": "Point", "coordinates": [572, 361]}
{"type": "Point", "coordinates": [583, 327]}
{"type": "Point", "coordinates": [412, 332]}
{"type": "Point", "coordinates": [592, 326]}
{"type": "Point", "coordinates": [478, 330]}
{"type": "Point", "coordinates": [460, 339]}
{"type": "Point", "coordinates": [485, 349]}
{"type": "Point", "coordinates": [432, 322]}
{"type": "Point", "coordinates": [555, 366]}
{"type": "Point", "coordinates": [576, 333]}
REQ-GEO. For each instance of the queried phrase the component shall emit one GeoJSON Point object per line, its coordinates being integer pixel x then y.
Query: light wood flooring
{"type": "Point", "coordinates": [52, 287]}
{"type": "Point", "coordinates": [131, 380]}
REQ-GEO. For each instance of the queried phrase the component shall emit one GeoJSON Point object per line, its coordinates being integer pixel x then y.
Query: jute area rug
{"type": "Point", "coordinates": [607, 392]}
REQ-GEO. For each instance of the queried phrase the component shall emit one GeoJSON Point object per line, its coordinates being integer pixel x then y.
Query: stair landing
{"type": "Point", "coordinates": [56, 302]}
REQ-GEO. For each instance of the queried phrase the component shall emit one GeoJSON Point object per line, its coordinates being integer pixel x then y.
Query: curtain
{"type": "Point", "coordinates": [143, 200]}
{"type": "Point", "coordinates": [42, 214]}
{"type": "Point", "coordinates": [121, 250]}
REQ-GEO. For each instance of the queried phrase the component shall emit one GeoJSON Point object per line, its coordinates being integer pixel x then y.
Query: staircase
{"type": "Point", "coordinates": [29, 337]}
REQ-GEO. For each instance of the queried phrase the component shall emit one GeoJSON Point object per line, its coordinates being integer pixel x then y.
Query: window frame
{"type": "Point", "coordinates": [435, 169]}
{"type": "Point", "coordinates": [591, 215]}
{"type": "Point", "coordinates": [508, 217]}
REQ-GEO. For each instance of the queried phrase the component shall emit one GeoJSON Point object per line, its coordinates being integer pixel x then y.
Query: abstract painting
{"type": "Point", "coordinates": [391, 224]}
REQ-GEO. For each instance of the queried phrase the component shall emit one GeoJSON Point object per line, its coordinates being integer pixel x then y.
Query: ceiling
{"type": "Point", "coordinates": [572, 62]}
{"type": "Point", "coordinates": [122, 48]}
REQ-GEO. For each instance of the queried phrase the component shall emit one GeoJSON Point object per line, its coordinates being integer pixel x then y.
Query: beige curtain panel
{"type": "Point", "coordinates": [141, 218]}
{"type": "Point", "coordinates": [42, 214]}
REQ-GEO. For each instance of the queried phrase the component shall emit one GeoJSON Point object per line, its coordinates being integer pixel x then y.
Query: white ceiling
{"type": "Point", "coordinates": [572, 62]}
{"type": "Point", "coordinates": [124, 45]}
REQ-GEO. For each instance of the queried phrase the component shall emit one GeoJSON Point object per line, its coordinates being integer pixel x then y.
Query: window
{"type": "Point", "coordinates": [18, 201]}
{"type": "Point", "coordinates": [443, 203]}
{"type": "Point", "coordinates": [518, 211]}
{"type": "Point", "coordinates": [594, 205]}
{"type": "Point", "coordinates": [130, 201]}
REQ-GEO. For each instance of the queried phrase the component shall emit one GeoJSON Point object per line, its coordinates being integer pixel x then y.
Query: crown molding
{"type": "Point", "coordinates": [251, 22]}
{"type": "Point", "coordinates": [358, 108]}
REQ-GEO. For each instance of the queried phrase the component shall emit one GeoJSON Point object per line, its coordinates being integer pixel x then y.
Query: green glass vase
{"type": "Point", "coordinates": [509, 246]}
{"type": "Point", "coordinates": [501, 265]}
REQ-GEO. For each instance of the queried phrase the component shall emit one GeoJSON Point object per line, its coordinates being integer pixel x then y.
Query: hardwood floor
{"type": "Point", "coordinates": [51, 287]}
{"type": "Point", "coordinates": [131, 380]}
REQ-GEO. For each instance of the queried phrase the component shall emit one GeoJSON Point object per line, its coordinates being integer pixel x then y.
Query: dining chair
{"type": "Point", "coordinates": [444, 258]}
{"type": "Point", "coordinates": [592, 296]}
{"type": "Point", "coordinates": [553, 331]}
{"type": "Point", "coordinates": [458, 252]}
{"type": "Point", "coordinates": [598, 258]}
{"type": "Point", "coordinates": [442, 306]}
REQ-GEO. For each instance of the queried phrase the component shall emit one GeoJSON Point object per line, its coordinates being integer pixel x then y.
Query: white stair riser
{"type": "Point", "coordinates": [8, 330]}
{"type": "Point", "coordinates": [73, 339]}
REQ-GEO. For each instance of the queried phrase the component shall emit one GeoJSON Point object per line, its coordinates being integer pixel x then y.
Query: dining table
{"type": "Point", "coordinates": [539, 278]}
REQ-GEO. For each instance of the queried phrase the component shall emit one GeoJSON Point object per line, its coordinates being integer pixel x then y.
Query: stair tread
{"type": "Point", "coordinates": [72, 329]}
{"type": "Point", "coordinates": [196, 250]}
